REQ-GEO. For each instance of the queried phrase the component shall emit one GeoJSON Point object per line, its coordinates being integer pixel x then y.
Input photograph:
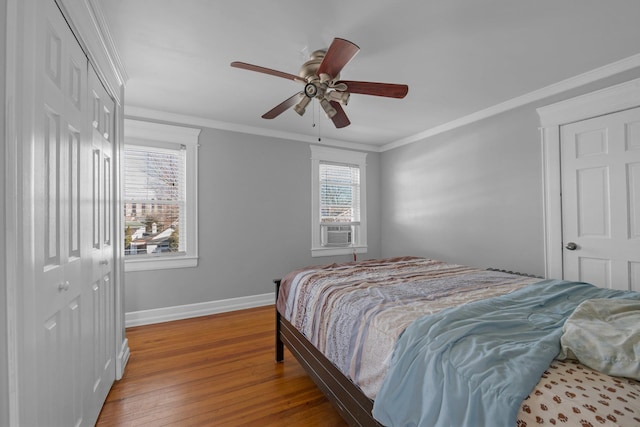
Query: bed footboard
{"type": "Point", "coordinates": [352, 404]}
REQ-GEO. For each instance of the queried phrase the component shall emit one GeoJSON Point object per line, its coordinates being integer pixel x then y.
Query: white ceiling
{"type": "Point", "coordinates": [457, 56]}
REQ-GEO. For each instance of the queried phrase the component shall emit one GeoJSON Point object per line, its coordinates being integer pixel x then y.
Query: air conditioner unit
{"type": "Point", "coordinates": [337, 235]}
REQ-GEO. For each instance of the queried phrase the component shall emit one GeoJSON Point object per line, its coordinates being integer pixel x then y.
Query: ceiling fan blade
{"type": "Point", "coordinates": [389, 90]}
{"type": "Point", "coordinates": [259, 69]}
{"type": "Point", "coordinates": [282, 107]}
{"type": "Point", "coordinates": [338, 55]}
{"type": "Point", "coordinates": [340, 120]}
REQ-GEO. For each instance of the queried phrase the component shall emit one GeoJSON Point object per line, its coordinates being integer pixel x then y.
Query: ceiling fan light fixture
{"type": "Point", "coordinates": [301, 106]}
{"type": "Point", "coordinates": [341, 97]}
{"type": "Point", "coordinates": [328, 109]}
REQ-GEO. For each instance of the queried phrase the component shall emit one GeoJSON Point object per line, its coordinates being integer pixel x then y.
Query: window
{"type": "Point", "coordinates": [160, 196]}
{"type": "Point", "coordinates": [338, 202]}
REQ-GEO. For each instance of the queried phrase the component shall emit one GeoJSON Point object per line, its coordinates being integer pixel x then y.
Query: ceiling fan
{"type": "Point", "coordinates": [321, 77]}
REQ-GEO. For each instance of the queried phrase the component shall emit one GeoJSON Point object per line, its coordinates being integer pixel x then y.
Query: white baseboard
{"type": "Point", "coordinates": [123, 358]}
{"type": "Point", "coordinates": [167, 314]}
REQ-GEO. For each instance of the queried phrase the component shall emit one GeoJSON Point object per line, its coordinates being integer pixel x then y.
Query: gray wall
{"type": "Point", "coordinates": [4, 380]}
{"type": "Point", "coordinates": [254, 222]}
{"type": "Point", "coordinates": [472, 195]}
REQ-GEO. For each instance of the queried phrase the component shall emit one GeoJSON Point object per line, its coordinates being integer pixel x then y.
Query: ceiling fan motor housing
{"type": "Point", "coordinates": [309, 69]}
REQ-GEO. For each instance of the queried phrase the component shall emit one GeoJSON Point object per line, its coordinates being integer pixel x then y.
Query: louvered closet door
{"type": "Point", "coordinates": [601, 200]}
{"type": "Point", "coordinates": [101, 289]}
{"type": "Point", "coordinates": [61, 132]}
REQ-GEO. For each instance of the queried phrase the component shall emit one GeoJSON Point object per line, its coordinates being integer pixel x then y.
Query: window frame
{"type": "Point", "coordinates": [341, 157]}
{"type": "Point", "coordinates": [159, 135]}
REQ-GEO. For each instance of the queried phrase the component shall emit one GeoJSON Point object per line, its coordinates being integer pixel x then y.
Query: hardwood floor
{"type": "Point", "coordinates": [216, 370]}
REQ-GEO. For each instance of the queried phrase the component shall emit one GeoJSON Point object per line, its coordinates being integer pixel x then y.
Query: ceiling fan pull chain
{"type": "Point", "coordinates": [319, 123]}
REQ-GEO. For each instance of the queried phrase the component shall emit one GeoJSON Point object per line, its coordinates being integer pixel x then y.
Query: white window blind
{"type": "Point", "coordinates": [154, 199]}
{"type": "Point", "coordinates": [339, 193]}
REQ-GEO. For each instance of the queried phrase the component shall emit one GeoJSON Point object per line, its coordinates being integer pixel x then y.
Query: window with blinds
{"type": "Point", "coordinates": [154, 199]}
{"type": "Point", "coordinates": [339, 203]}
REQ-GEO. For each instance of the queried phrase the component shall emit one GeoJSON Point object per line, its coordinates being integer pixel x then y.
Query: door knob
{"type": "Point", "coordinates": [64, 286]}
{"type": "Point", "coordinates": [571, 246]}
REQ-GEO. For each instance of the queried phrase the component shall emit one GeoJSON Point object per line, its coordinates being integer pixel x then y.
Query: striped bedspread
{"type": "Point", "coordinates": [353, 313]}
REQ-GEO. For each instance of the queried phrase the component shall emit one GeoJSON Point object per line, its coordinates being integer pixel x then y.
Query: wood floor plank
{"type": "Point", "coordinates": [216, 370]}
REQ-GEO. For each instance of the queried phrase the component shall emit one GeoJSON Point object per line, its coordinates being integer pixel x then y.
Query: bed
{"type": "Point", "coordinates": [352, 326]}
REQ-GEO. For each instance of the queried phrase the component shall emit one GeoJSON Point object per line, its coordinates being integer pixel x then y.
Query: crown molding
{"type": "Point", "coordinates": [537, 95]}
{"type": "Point", "coordinates": [160, 132]}
{"type": "Point", "coordinates": [604, 101]}
{"type": "Point", "coordinates": [134, 112]}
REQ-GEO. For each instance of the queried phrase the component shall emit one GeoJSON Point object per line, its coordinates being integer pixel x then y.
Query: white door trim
{"type": "Point", "coordinates": [18, 221]}
{"type": "Point", "coordinates": [605, 101]}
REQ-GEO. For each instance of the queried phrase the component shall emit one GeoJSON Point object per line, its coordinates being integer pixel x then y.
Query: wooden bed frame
{"type": "Point", "coordinates": [352, 404]}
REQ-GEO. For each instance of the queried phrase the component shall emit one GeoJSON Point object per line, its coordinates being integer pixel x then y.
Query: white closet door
{"type": "Point", "coordinates": [61, 132]}
{"type": "Point", "coordinates": [100, 235]}
{"type": "Point", "coordinates": [73, 310]}
{"type": "Point", "coordinates": [600, 163]}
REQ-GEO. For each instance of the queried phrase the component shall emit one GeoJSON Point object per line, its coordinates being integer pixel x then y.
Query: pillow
{"type": "Point", "coordinates": [604, 334]}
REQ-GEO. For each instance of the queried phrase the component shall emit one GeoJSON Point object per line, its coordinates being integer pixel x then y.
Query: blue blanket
{"type": "Point", "coordinates": [473, 365]}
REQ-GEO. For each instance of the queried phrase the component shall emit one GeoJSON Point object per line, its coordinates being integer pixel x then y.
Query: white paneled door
{"type": "Point", "coordinates": [73, 306]}
{"type": "Point", "coordinates": [61, 129]}
{"type": "Point", "coordinates": [600, 167]}
{"type": "Point", "coordinates": [100, 250]}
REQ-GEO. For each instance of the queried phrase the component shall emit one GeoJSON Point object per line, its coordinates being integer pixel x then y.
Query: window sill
{"type": "Point", "coordinates": [160, 263]}
{"type": "Point", "coordinates": [318, 252]}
